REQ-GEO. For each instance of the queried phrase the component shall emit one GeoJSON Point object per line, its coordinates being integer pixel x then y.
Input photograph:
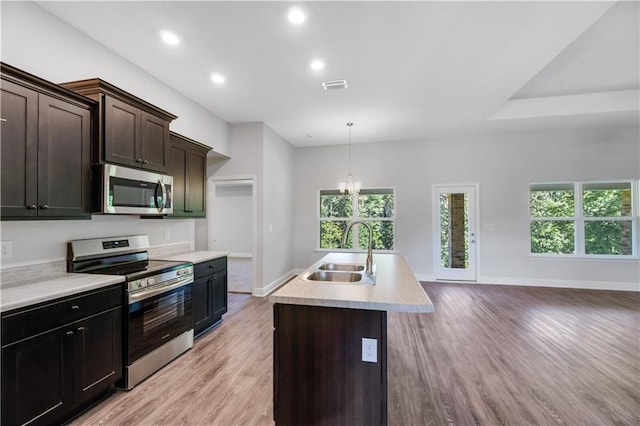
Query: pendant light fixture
{"type": "Point", "coordinates": [350, 187]}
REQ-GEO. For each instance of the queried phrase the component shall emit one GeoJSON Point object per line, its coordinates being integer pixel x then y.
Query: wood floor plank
{"type": "Point", "coordinates": [489, 355]}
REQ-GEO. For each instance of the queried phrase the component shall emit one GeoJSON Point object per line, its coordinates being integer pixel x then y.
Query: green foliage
{"type": "Point", "coordinates": [557, 203]}
{"type": "Point", "coordinates": [331, 233]}
{"type": "Point", "coordinates": [370, 206]}
{"type": "Point", "coordinates": [601, 237]}
{"type": "Point", "coordinates": [606, 202]}
{"type": "Point", "coordinates": [552, 236]}
{"type": "Point", "coordinates": [445, 237]}
{"type": "Point", "coordinates": [608, 237]}
{"type": "Point", "coordinates": [336, 205]}
{"type": "Point", "coordinates": [375, 205]}
{"type": "Point", "coordinates": [382, 235]}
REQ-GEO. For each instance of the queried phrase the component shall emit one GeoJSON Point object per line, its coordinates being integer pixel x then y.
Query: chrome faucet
{"type": "Point", "coordinates": [369, 270]}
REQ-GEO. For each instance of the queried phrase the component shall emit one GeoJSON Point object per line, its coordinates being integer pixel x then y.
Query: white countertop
{"type": "Point", "coordinates": [194, 256]}
{"type": "Point", "coordinates": [18, 294]}
{"type": "Point", "coordinates": [396, 287]}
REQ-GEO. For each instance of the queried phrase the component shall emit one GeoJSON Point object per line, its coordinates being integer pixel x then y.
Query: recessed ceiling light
{"type": "Point", "coordinates": [296, 16]}
{"type": "Point", "coordinates": [317, 64]}
{"type": "Point", "coordinates": [169, 38]}
{"type": "Point", "coordinates": [217, 78]}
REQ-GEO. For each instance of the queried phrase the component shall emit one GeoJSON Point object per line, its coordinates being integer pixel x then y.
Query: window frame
{"type": "Point", "coordinates": [580, 219]}
{"type": "Point", "coordinates": [356, 216]}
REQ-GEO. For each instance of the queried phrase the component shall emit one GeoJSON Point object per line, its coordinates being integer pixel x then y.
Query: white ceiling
{"type": "Point", "coordinates": [415, 70]}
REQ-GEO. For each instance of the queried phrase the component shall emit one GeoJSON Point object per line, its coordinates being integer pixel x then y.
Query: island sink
{"type": "Point", "coordinates": [337, 273]}
{"type": "Point", "coordinates": [342, 277]}
{"type": "Point", "coordinates": [341, 267]}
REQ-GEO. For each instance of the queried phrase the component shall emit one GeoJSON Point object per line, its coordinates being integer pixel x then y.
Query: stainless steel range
{"type": "Point", "coordinates": [158, 324]}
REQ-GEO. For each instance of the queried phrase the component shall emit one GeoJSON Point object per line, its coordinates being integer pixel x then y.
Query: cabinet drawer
{"type": "Point", "coordinates": [31, 321]}
{"type": "Point", "coordinates": [210, 267]}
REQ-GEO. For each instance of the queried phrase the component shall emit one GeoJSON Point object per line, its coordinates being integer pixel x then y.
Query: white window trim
{"type": "Point", "coordinates": [579, 220]}
{"type": "Point", "coordinates": [354, 230]}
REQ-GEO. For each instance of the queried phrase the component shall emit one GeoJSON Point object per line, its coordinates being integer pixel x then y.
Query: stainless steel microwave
{"type": "Point", "coordinates": [132, 191]}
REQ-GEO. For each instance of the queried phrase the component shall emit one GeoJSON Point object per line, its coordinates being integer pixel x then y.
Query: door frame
{"type": "Point", "coordinates": [435, 199]}
{"type": "Point", "coordinates": [211, 200]}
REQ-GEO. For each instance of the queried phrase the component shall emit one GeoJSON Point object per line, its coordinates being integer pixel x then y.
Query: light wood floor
{"type": "Point", "coordinates": [489, 355]}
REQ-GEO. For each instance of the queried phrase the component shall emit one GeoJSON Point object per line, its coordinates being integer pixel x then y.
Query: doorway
{"type": "Point", "coordinates": [455, 237]}
{"type": "Point", "coordinates": [231, 227]}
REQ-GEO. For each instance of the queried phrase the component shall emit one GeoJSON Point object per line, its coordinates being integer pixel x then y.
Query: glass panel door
{"type": "Point", "coordinates": [455, 233]}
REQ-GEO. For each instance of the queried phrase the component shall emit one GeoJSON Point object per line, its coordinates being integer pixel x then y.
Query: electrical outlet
{"type": "Point", "coordinates": [6, 249]}
{"type": "Point", "coordinates": [369, 350]}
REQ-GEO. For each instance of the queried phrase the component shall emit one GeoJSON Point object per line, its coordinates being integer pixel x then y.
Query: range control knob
{"type": "Point", "coordinates": [151, 281]}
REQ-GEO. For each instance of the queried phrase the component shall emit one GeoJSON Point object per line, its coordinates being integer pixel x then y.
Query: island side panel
{"type": "Point", "coordinates": [319, 375]}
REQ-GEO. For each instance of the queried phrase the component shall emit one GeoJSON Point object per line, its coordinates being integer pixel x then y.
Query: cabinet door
{"type": "Point", "coordinates": [37, 384]}
{"type": "Point", "coordinates": [202, 314]}
{"type": "Point", "coordinates": [64, 159]}
{"type": "Point", "coordinates": [219, 294]}
{"type": "Point", "coordinates": [196, 202]}
{"type": "Point", "coordinates": [98, 354]}
{"type": "Point", "coordinates": [122, 139]}
{"type": "Point", "coordinates": [155, 143]}
{"type": "Point", "coordinates": [178, 169]}
{"type": "Point", "coordinates": [19, 165]}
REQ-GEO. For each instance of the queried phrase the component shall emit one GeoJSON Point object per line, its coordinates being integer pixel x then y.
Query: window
{"type": "Point", "coordinates": [582, 219]}
{"type": "Point", "coordinates": [376, 207]}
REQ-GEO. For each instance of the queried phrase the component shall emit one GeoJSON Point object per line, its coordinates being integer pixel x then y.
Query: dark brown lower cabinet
{"type": "Point", "coordinates": [319, 375]}
{"type": "Point", "coordinates": [209, 294]}
{"type": "Point", "coordinates": [49, 376]}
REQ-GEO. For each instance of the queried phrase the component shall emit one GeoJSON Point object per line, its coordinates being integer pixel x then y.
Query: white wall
{"type": "Point", "coordinates": [41, 44]}
{"type": "Point", "coordinates": [277, 208]}
{"type": "Point", "coordinates": [503, 166]}
{"type": "Point", "coordinates": [259, 152]}
{"type": "Point", "coordinates": [246, 161]}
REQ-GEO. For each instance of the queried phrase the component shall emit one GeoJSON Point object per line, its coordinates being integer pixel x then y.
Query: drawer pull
{"type": "Point", "coordinates": [69, 333]}
{"type": "Point", "coordinates": [44, 207]}
{"type": "Point", "coordinates": [75, 307]}
{"type": "Point", "coordinates": [212, 266]}
{"type": "Point", "coordinates": [31, 206]}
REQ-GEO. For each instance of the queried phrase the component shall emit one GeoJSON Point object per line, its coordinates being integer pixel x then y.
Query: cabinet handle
{"type": "Point", "coordinates": [31, 207]}
{"type": "Point", "coordinates": [3, 119]}
{"type": "Point", "coordinates": [69, 333]}
{"type": "Point", "coordinates": [212, 266]}
{"type": "Point", "coordinates": [139, 160]}
{"type": "Point", "coordinates": [44, 206]}
{"type": "Point", "coordinates": [81, 329]}
{"type": "Point", "coordinates": [145, 161]}
{"type": "Point", "coordinates": [75, 307]}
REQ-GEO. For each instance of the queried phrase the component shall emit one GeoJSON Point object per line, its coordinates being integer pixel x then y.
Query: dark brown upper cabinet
{"type": "Point", "coordinates": [46, 149]}
{"type": "Point", "coordinates": [131, 131]}
{"type": "Point", "coordinates": [188, 166]}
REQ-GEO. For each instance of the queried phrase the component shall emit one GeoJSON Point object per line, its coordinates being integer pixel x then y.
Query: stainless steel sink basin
{"type": "Point", "coordinates": [341, 267]}
{"type": "Point", "coordinates": [343, 277]}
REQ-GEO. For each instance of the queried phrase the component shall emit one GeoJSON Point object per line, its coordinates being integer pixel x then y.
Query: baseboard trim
{"type": "Point", "coordinates": [273, 285]}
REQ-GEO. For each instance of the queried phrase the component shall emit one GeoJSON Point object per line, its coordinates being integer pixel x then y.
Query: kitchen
{"type": "Point", "coordinates": [287, 175]}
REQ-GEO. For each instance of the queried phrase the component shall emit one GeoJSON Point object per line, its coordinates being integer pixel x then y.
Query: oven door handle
{"type": "Point", "coordinates": [171, 285]}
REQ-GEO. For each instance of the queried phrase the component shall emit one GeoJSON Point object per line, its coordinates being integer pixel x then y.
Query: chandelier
{"type": "Point", "coordinates": [350, 187]}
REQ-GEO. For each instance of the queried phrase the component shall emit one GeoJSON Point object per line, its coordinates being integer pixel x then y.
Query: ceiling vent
{"type": "Point", "coordinates": [333, 85]}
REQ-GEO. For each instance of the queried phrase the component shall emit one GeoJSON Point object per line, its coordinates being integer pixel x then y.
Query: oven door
{"type": "Point", "coordinates": [157, 315]}
{"type": "Point", "coordinates": [131, 191]}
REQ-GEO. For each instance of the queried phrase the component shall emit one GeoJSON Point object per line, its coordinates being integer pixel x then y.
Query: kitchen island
{"type": "Point", "coordinates": [319, 326]}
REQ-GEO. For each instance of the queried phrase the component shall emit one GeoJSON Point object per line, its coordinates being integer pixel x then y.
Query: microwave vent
{"type": "Point", "coordinates": [333, 85]}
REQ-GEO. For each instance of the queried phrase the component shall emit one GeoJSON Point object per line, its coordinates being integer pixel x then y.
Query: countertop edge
{"type": "Point", "coordinates": [24, 297]}
{"type": "Point", "coordinates": [372, 306]}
